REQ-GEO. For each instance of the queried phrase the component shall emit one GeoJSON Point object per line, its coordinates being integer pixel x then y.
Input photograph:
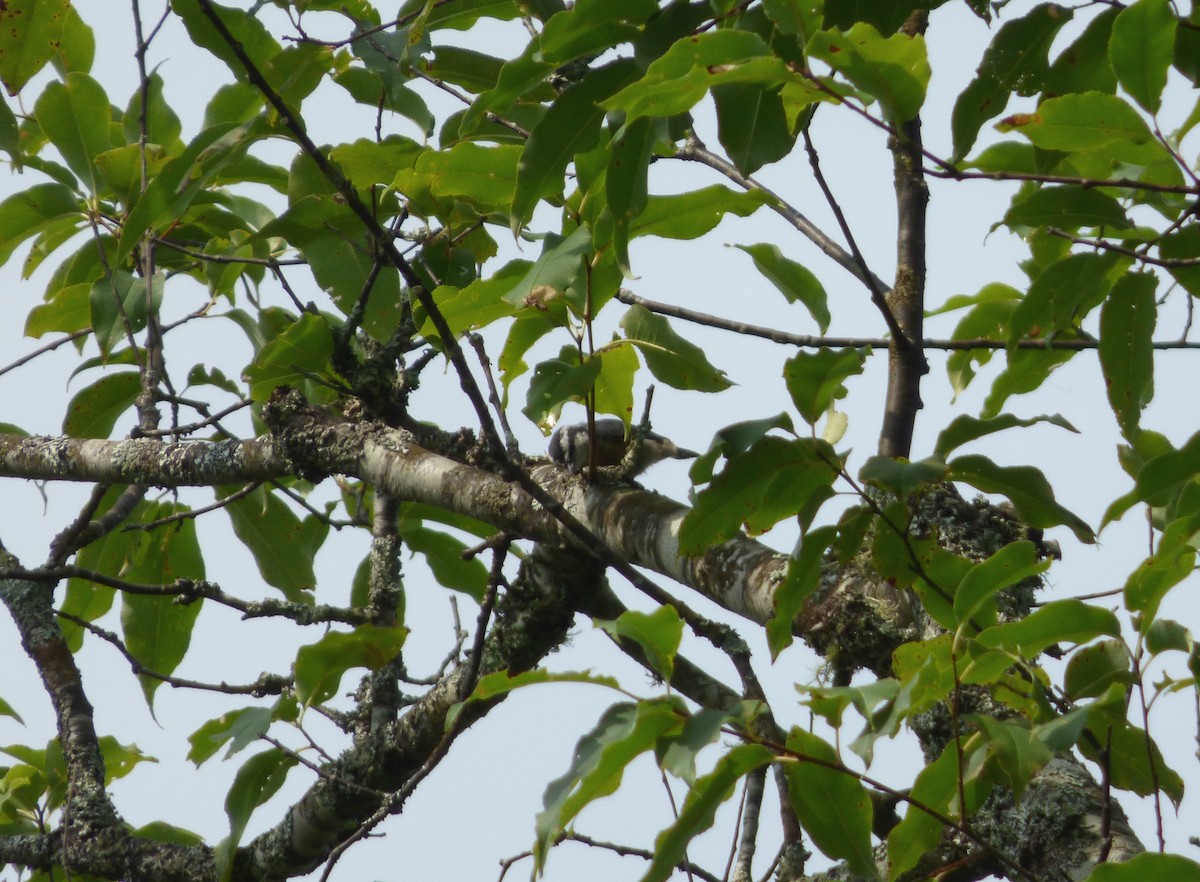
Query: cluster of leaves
{"type": "Point", "coordinates": [567, 130]}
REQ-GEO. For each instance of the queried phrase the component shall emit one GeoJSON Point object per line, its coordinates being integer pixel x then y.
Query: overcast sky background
{"type": "Point", "coordinates": [479, 805]}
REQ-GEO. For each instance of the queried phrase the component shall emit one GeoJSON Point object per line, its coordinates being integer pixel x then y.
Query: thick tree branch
{"type": "Point", "coordinates": [906, 300]}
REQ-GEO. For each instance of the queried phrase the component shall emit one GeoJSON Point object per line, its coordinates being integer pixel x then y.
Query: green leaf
{"type": "Point", "coordinates": [462, 14]}
{"type": "Point", "coordinates": [700, 807]}
{"type": "Point", "coordinates": [1087, 121]}
{"type": "Point", "coordinates": [1027, 489]}
{"type": "Point", "coordinates": [120, 759]}
{"type": "Point", "coordinates": [658, 633]}
{"type": "Point", "coordinates": [571, 126]}
{"type": "Point", "coordinates": [1183, 244]}
{"type": "Point", "coordinates": [259, 778]}
{"type": "Point", "coordinates": [474, 71]}
{"type": "Point", "coordinates": [1141, 50]}
{"type": "Point", "coordinates": [1016, 61]}
{"type": "Point", "coordinates": [1018, 752]}
{"type": "Point", "coordinates": [1083, 66]}
{"type": "Point", "coordinates": [158, 630]}
{"type": "Point", "coordinates": [1059, 621]}
{"type": "Point", "coordinates": [1126, 328]}
{"type": "Point", "coordinates": [559, 380]}
{"type": "Point", "coordinates": [283, 545]}
{"type": "Point", "coordinates": [320, 665]}
{"type": "Point", "coordinates": [160, 831]}
{"type": "Point", "coordinates": [162, 124]}
{"type": "Point", "coordinates": [502, 683]}
{"type": "Point", "coordinates": [752, 125]}
{"type": "Point", "coordinates": [179, 182]}
{"type": "Point", "coordinates": [894, 70]}
{"type": "Point", "coordinates": [677, 751]}
{"type": "Point", "coordinates": [937, 787]}
{"type": "Point", "coordinates": [771, 481]}
{"type": "Point", "coordinates": [118, 308]}
{"type": "Point", "coordinates": [677, 79]}
{"type": "Point", "coordinates": [626, 182]}
{"type": "Point", "coordinates": [831, 804]}
{"type": "Point", "coordinates": [30, 34]}
{"type": "Point", "coordinates": [342, 260]}
{"type": "Point", "coordinates": [444, 555]}
{"type": "Point", "coordinates": [964, 429]}
{"type": "Point", "coordinates": [1158, 477]}
{"type": "Point", "coordinates": [816, 379]}
{"type": "Point", "coordinates": [484, 177]}
{"type": "Point", "coordinates": [802, 579]}
{"type": "Point", "coordinates": [76, 116]}
{"type": "Point", "coordinates": [27, 213]}
{"type": "Point", "coordinates": [734, 440]}
{"type": "Point", "coordinates": [1064, 292]}
{"type": "Point", "coordinates": [1174, 559]}
{"type": "Point", "coordinates": [691, 215]}
{"type": "Point", "coordinates": [1092, 669]}
{"type": "Point", "coordinates": [6, 710]}
{"type": "Point", "coordinates": [623, 733]}
{"type": "Point", "coordinates": [95, 409]}
{"type": "Point", "coordinates": [795, 282]}
{"type": "Point", "coordinates": [613, 390]}
{"type": "Point", "coordinates": [1148, 865]}
{"type": "Point", "coordinates": [901, 476]}
{"type": "Point", "coordinates": [974, 600]}
{"type": "Point", "coordinates": [480, 303]}
{"type": "Point", "coordinates": [557, 272]}
{"type": "Point", "coordinates": [367, 162]}
{"type": "Point", "coordinates": [1133, 759]}
{"type": "Point", "coordinates": [1027, 370]}
{"type": "Point", "coordinates": [672, 359]}
{"type": "Point", "coordinates": [250, 33]}
{"type": "Point", "coordinates": [76, 50]}
{"type": "Point", "coordinates": [1066, 207]}
{"type": "Point", "coordinates": [299, 352]}
{"type": "Point", "coordinates": [988, 319]}
{"type": "Point", "coordinates": [239, 729]}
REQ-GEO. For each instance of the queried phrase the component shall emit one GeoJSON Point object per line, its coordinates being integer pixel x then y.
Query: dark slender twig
{"type": "Point", "coordinates": [1165, 262]}
{"type": "Point", "coordinates": [878, 291]}
{"type": "Point", "coordinates": [190, 590]}
{"type": "Point", "coordinates": [947, 171]}
{"type": "Point", "coordinates": [270, 262]}
{"type": "Point", "coordinates": [507, 864]}
{"type": "Point", "coordinates": [318, 771]}
{"type": "Point", "coordinates": [213, 420]}
{"type": "Point", "coordinates": [475, 657]}
{"type": "Point", "coordinates": [695, 151]}
{"type": "Point", "coordinates": [813, 341]}
{"type": "Point", "coordinates": [465, 99]}
{"type": "Point", "coordinates": [485, 364]}
{"type": "Point", "coordinates": [194, 513]}
{"type": "Point", "coordinates": [42, 350]}
{"type": "Point", "coordinates": [266, 684]}
{"type": "Point", "coordinates": [86, 530]}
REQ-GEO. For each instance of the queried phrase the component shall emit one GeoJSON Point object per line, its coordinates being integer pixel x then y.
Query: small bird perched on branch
{"type": "Point", "coordinates": [570, 446]}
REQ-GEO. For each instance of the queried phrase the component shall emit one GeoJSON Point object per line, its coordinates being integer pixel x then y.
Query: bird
{"type": "Point", "coordinates": [570, 446]}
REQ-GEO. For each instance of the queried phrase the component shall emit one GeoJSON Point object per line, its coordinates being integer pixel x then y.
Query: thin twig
{"type": "Point", "coordinates": [878, 290]}
{"type": "Point", "coordinates": [695, 151]}
{"type": "Point", "coordinates": [193, 513]}
{"type": "Point", "coordinates": [42, 350]}
{"type": "Point", "coordinates": [266, 684]}
{"type": "Point", "coordinates": [814, 341]}
{"type": "Point", "coordinates": [1165, 262]}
